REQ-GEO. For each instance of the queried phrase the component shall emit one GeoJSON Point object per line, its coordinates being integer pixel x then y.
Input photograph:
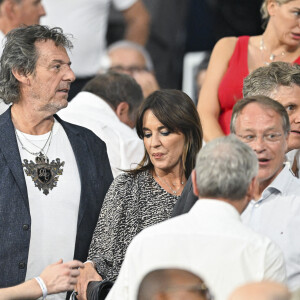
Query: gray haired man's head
{"type": "Point", "coordinates": [225, 168]}
{"type": "Point", "coordinates": [118, 46]}
{"type": "Point", "coordinates": [262, 101]}
{"type": "Point", "coordinates": [266, 80]}
{"type": "Point", "coordinates": [20, 54]}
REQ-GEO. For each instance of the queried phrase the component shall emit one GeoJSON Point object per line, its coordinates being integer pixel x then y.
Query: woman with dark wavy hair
{"type": "Point", "coordinates": [169, 125]}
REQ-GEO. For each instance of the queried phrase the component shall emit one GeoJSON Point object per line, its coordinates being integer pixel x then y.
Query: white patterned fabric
{"type": "Point", "coordinates": [132, 203]}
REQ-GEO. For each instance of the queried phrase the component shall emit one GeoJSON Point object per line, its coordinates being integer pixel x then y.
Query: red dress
{"type": "Point", "coordinates": [231, 86]}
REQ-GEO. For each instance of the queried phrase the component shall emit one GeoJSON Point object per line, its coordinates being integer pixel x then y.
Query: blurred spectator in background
{"type": "Point", "coordinates": [14, 13]}
{"type": "Point", "coordinates": [296, 295]}
{"type": "Point", "coordinates": [179, 26]}
{"type": "Point", "coordinates": [87, 22]}
{"type": "Point", "coordinates": [265, 290]}
{"type": "Point", "coordinates": [133, 59]}
{"type": "Point", "coordinates": [166, 40]}
{"type": "Point", "coordinates": [200, 75]}
{"type": "Point", "coordinates": [108, 106]}
{"type": "Point", "coordinates": [210, 20]}
{"type": "Point", "coordinates": [233, 58]}
{"type": "Point", "coordinates": [172, 284]}
{"type": "Point", "coordinates": [235, 17]}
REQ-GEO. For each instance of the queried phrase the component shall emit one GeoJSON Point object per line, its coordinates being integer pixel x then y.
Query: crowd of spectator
{"type": "Point", "coordinates": [115, 185]}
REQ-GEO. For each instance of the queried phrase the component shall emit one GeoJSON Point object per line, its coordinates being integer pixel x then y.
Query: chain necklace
{"type": "Point", "coordinates": [44, 174]}
{"type": "Point", "coordinates": [170, 187]}
{"type": "Point", "coordinates": [41, 149]}
{"type": "Point", "coordinates": [272, 56]}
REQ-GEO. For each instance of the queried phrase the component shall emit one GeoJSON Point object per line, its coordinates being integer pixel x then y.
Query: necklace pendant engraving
{"type": "Point", "coordinates": [45, 175]}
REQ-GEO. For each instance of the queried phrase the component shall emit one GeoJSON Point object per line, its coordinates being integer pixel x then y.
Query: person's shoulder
{"type": "Point", "coordinates": [124, 177]}
{"type": "Point", "coordinates": [77, 129]}
{"type": "Point", "coordinates": [129, 182]}
{"type": "Point", "coordinates": [255, 240]}
{"type": "Point", "coordinates": [224, 49]}
{"type": "Point", "coordinates": [228, 42]}
{"type": "Point", "coordinates": [125, 180]}
{"type": "Point", "coordinates": [170, 229]}
{"type": "Point", "coordinates": [290, 184]}
{"type": "Point", "coordinates": [124, 132]}
{"type": "Point", "coordinates": [132, 177]}
{"type": "Point", "coordinates": [292, 192]}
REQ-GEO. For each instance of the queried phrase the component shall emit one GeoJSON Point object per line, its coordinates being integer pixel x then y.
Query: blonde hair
{"type": "Point", "coordinates": [264, 11]}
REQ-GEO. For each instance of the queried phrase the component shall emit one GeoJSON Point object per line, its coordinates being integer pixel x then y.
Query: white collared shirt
{"type": "Point", "coordinates": [291, 156]}
{"type": "Point", "coordinates": [209, 241]}
{"type": "Point", "coordinates": [124, 148]}
{"type": "Point", "coordinates": [277, 215]}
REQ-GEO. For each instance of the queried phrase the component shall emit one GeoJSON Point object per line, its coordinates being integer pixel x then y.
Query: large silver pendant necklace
{"type": "Point", "coordinates": [174, 191]}
{"type": "Point", "coordinates": [272, 56]}
{"type": "Point", "coordinates": [45, 175]}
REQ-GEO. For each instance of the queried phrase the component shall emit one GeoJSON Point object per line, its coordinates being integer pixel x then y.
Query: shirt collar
{"type": "Point", "coordinates": [219, 208]}
{"type": "Point", "coordinates": [87, 101]}
{"type": "Point", "coordinates": [280, 184]}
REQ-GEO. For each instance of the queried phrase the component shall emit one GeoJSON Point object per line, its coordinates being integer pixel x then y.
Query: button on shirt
{"type": "Point", "coordinates": [277, 215]}
{"type": "Point", "coordinates": [210, 241]}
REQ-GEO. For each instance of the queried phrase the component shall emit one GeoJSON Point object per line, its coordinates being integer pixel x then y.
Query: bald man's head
{"type": "Point", "coordinates": [265, 290]}
{"type": "Point", "coordinates": [172, 284]}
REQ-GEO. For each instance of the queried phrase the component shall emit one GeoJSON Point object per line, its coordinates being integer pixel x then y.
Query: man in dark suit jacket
{"type": "Point", "coordinates": [53, 175]}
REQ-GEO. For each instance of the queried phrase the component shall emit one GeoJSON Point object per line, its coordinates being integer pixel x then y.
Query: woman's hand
{"type": "Point", "coordinates": [86, 275]}
{"type": "Point", "coordinates": [61, 277]}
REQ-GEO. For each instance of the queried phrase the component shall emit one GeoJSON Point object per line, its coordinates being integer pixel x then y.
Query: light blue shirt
{"type": "Point", "coordinates": [277, 215]}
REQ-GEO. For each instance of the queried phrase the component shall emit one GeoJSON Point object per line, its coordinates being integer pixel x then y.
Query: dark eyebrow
{"type": "Point", "coordinates": [159, 128]}
{"type": "Point", "coordinates": [61, 62]}
{"type": "Point", "coordinates": [290, 103]}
